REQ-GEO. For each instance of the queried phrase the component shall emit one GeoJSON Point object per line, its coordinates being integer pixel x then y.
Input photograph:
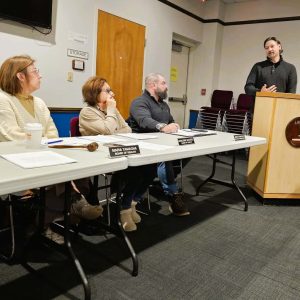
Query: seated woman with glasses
{"type": "Point", "coordinates": [100, 116]}
{"type": "Point", "coordinates": [19, 78]}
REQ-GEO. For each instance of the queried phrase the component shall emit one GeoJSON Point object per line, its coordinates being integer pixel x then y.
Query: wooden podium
{"type": "Point", "coordinates": [273, 168]}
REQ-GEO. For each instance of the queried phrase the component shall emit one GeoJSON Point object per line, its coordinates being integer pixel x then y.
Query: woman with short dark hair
{"type": "Point", "coordinates": [100, 116]}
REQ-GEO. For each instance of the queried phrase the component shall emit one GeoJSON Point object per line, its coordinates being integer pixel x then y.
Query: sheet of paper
{"type": "Point", "coordinates": [149, 146]}
{"type": "Point", "coordinates": [29, 160]}
{"type": "Point", "coordinates": [69, 141]}
{"type": "Point", "coordinates": [103, 139]}
{"type": "Point", "coordinates": [138, 136]}
{"type": "Point", "coordinates": [192, 133]}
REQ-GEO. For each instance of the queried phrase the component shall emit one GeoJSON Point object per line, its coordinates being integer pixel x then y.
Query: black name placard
{"type": "Point", "coordinates": [239, 137]}
{"type": "Point", "coordinates": [118, 151]}
{"type": "Point", "coordinates": [186, 141]}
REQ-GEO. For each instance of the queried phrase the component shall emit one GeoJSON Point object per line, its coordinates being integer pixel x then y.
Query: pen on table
{"type": "Point", "coordinates": [54, 142]}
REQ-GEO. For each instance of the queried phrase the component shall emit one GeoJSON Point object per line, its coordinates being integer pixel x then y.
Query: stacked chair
{"type": "Point", "coordinates": [239, 120]}
{"type": "Point", "coordinates": [220, 115]}
{"type": "Point", "coordinates": [212, 117]}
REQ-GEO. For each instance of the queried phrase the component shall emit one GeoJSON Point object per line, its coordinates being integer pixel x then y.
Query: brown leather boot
{"type": "Point", "coordinates": [135, 216]}
{"type": "Point", "coordinates": [126, 220]}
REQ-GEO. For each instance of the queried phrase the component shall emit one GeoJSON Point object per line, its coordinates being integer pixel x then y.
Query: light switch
{"type": "Point", "coordinates": [70, 76]}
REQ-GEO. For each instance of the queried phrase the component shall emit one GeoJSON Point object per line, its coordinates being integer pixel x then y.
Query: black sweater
{"type": "Point", "coordinates": [281, 74]}
{"type": "Point", "coordinates": [146, 113]}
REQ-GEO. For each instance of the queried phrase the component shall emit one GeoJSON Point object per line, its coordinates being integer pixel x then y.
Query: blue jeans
{"type": "Point", "coordinates": [166, 177]}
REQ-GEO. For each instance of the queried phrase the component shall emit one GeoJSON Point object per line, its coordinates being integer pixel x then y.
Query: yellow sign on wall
{"type": "Point", "coordinates": [174, 74]}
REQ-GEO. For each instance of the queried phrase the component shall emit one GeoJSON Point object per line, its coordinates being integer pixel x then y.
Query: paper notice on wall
{"type": "Point", "coordinates": [174, 74]}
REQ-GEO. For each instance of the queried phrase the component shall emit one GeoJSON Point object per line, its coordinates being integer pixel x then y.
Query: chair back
{"type": "Point", "coordinates": [221, 99]}
{"type": "Point", "coordinates": [74, 127]}
{"type": "Point", "coordinates": [245, 102]}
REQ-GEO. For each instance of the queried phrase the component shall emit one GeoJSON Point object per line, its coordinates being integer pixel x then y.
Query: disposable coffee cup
{"type": "Point", "coordinates": [33, 132]}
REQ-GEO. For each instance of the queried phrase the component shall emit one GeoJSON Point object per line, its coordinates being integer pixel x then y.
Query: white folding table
{"type": "Point", "coordinates": [14, 178]}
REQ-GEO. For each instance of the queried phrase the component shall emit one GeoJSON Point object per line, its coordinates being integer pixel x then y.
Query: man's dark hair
{"type": "Point", "coordinates": [273, 38]}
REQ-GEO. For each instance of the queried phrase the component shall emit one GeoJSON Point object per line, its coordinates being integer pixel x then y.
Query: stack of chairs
{"type": "Point", "coordinates": [239, 120]}
{"type": "Point", "coordinates": [212, 117]}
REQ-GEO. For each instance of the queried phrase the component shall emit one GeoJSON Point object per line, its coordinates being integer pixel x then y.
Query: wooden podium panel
{"type": "Point", "coordinates": [272, 168]}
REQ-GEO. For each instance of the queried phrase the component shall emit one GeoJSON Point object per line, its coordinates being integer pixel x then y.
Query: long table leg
{"type": "Point", "coordinates": [116, 227]}
{"type": "Point", "coordinates": [212, 174]}
{"type": "Point", "coordinates": [125, 237]}
{"type": "Point", "coordinates": [85, 283]}
{"type": "Point", "coordinates": [233, 184]}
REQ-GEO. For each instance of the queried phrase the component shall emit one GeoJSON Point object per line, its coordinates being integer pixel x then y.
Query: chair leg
{"type": "Point", "coordinates": [148, 200]}
{"type": "Point", "coordinates": [108, 199]}
{"type": "Point", "coordinates": [181, 176]}
{"type": "Point", "coordinates": [11, 255]}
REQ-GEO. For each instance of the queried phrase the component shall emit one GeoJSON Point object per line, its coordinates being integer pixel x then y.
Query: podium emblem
{"type": "Point", "coordinates": [292, 132]}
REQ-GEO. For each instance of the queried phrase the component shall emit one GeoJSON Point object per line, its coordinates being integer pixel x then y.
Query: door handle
{"type": "Point", "coordinates": [183, 100]}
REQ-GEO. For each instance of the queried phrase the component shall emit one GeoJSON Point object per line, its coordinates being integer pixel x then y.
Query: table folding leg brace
{"type": "Point", "coordinates": [232, 185]}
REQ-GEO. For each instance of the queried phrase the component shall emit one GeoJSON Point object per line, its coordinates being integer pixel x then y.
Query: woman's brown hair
{"type": "Point", "coordinates": [91, 89]}
{"type": "Point", "coordinates": [9, 82]}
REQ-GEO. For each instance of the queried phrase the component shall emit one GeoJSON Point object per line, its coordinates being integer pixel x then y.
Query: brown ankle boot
{"type": "Point", "coordinates": [126, 220]}
{"type": "Point", "coordinates": [135, 216]}
{"type": "Point", "coordinates": [83, 210]}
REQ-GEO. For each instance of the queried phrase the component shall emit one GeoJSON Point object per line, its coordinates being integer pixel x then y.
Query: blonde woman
{"type": "Point", "coordinates": [19, 79]}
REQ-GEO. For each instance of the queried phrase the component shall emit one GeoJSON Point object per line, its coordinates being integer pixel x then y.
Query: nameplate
{"type": "Point", "coordinates": [186, 141]}
{"type": "Point", "coordinates": [118, 151]}
{"type": "Point", "coordinates": [239, 137]}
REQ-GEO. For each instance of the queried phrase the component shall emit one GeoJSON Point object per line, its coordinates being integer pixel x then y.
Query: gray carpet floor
{"type": "Point", "coordinates": [218, 252]}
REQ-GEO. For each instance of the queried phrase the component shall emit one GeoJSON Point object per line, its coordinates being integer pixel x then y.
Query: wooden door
{"type": "Point", "coordinates": [120, 57]}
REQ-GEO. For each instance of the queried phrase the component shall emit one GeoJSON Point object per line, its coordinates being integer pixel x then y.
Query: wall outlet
{"type": "Point", "coordinates": [70, 76]}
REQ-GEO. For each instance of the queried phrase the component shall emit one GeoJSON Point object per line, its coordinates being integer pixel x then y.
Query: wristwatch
{"type": "Point", "coordinates": [160, 126]}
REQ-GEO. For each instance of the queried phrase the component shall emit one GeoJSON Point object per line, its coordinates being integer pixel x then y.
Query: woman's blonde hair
{"type": "Point", "coordinates": [9, 82]}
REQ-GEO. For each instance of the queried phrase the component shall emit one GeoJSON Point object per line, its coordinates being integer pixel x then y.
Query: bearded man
{"type": "Point", "coordinates": [150, 113]}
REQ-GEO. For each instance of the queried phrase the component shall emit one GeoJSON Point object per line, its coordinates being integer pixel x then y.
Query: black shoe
{"type": "Point", "coordinates": [177, 206]}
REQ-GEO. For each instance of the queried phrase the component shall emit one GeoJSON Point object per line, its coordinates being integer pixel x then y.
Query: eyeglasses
{"type": "Point", "coordinates": [108, 91]}
{"type": "Point", "coordinates": [35, 70]}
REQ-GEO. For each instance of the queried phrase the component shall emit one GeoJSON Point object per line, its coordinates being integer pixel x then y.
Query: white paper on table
{"type": "Point", "coordinates": [192, 133]}
{"type": "Point", "coordinates": [29, 160]}
{"type": "Point", "coordinates": [103, 139]}
{"type": "Point", "coordinates": [148, 146]}
{"type": "Point", "coordinates": [69, 141]}
{"type": "Point", "coordinates": [138, 136]}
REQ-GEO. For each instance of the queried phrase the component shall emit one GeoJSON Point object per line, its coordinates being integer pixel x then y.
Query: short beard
{"type": "Point", "coordinates": [162, 94]}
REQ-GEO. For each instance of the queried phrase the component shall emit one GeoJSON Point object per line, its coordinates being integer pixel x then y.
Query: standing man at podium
{"type": "Point", "coordinates": [273, 74]}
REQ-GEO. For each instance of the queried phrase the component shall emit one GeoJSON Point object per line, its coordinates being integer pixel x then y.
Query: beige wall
{"type": "Point", "coordinates": [261, 9]}
{"type": "Point", "coordinates": [221, 56]}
